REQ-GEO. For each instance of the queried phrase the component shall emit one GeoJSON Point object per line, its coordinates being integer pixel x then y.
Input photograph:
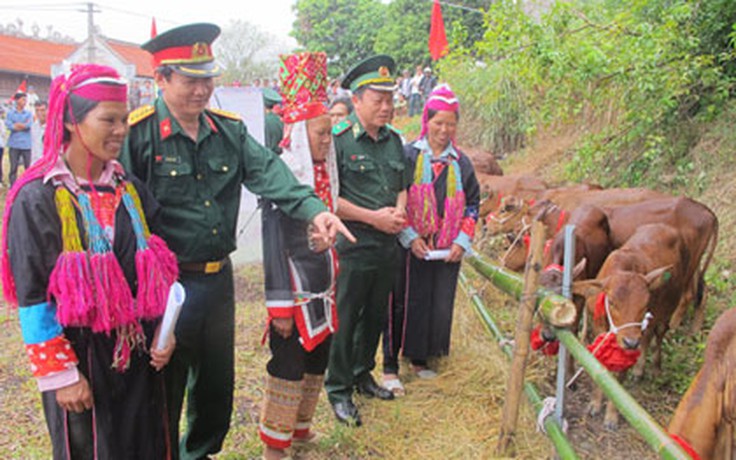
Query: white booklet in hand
{"type": "Point", "coordinates": [437, 254]}
{"type": "Point", "coordinates": [173, 308]}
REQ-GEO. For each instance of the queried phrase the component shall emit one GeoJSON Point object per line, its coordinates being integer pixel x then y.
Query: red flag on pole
{"type": "Point", "coordinates": [437, 37]}
{"type": "Point", "coordinates": [153, 28]}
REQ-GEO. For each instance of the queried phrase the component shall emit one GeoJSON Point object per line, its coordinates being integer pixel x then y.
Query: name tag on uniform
{"type": "Point", "coordinates": [166, 159]}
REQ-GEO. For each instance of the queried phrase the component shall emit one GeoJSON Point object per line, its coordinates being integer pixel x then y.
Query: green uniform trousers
{"type": "Point", "coordinates": [363, 290]}
{"type": "Point", "coordinates": [202, 367]}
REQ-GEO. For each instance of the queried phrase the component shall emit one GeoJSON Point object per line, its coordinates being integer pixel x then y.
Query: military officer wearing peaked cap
{"type": "Point", "coordinates": [195, 160]}
{"type": "Point", "coordinates": [373, 180]}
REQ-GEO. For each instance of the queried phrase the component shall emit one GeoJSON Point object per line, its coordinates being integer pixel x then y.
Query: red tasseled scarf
{"type": "Point", "coordinates": [607, 351]}
{"type": "Point", "coordinates": [548, 348]}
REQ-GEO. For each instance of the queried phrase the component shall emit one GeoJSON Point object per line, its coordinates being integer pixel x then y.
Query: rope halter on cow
{"type": "Point", "coordinates": [605, 348]}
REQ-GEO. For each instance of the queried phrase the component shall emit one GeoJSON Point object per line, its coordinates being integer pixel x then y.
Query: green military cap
{"type": "Point", "coordinates": [374, 73]}
{"type": "Point", "coordinates": [270, 97]}
{"type": "Point", "coordinates": [186, 49]}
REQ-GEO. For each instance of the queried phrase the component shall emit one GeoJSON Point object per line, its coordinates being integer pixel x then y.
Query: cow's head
{"type": "Point", "coordinates": [624, 302]}
{"type": "Point", "coordinates": [508, 217]}
{"type": "Point", "coordinates": [551, 276]}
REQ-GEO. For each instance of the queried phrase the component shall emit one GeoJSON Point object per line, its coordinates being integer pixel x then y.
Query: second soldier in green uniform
{"type": "Point", "coordinates": [373, 182]}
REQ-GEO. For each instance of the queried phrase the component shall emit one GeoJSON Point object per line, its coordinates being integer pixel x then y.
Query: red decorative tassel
{"type": "Point", "coordinates": [600, 307]}
{"type": "Point", "coordinates": [454, 209]}
{"type": "Point", "coordinates": [70, 287]}
{"type": "Point", "coordinates": [157, 270]}
{"type": "Point", "coordinates": [538, 343]}
{"type": "Point", "coordinates": [606, 350]}
{"type": "Point", "coordinates": [114, 299]}
{"type": "Point", "coordinates": [685, 446]}
{"type": "Point", "coordinates": [422, 208]}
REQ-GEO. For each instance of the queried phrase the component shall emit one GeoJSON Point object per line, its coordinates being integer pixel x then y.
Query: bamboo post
{"type": "Point", "coordinates": [521, 340]}
{"type": "Point", "coordinates": [639, 419]}
{"type": "Point", "coordinates": [556, 310]}
{"type": "Point", "coordinates": [562, 445]}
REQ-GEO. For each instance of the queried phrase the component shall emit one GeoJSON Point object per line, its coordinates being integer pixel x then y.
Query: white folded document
{"type": "Point", "coordinates": [173, 308]}
{"type": "Point", "coordinates": [437, 254]}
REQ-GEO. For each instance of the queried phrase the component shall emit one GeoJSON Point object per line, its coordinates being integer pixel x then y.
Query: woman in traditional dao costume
{"type": "Point", "coordinates": [299, 271]}
{"type": "Point", "coordinates": [442, 208]}
{"type": "Point", "coordinates": [89, 278]}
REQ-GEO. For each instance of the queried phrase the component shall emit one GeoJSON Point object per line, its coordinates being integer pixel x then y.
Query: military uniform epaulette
{"type": "Point", "coordinates": [141, 113]}
{"type": "Point", "coordinates": [394, 129]}
{"type": "Point", "coordinates": [225, 114]}
{"type": "Point", "coordinates": [341, 127]}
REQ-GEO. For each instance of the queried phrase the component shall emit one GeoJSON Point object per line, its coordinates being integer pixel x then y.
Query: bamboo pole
{"type": "Point", "coordinates": [639, 419]}
{"type": "Point", "coordinates": [562, 445]}
{"type": "Point", "coordinates": [555, 309]}
{"type": "Point", "coordinates": [521, 339]}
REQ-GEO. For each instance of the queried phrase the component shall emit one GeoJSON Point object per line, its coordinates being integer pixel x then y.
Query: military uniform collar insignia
{"type": "Point", "coordinates": [210, 123]}
{"type": "Point", "coordinates": [165, 128]}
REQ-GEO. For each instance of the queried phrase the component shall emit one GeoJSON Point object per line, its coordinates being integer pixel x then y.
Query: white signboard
{"type": "Point", "coordinates": [248, 103]}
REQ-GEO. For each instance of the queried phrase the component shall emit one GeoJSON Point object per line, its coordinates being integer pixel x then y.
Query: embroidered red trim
{"type": "Point", "coordinates": [51, 356]}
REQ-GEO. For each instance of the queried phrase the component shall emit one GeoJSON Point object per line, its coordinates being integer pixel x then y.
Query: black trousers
{"type": "Point", "coordinates": [128, 419]}
{"type": "Point", "coordinates": [290, 361]}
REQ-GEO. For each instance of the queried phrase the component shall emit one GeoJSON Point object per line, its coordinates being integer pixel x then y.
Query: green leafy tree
{"type": "Point", "coordinates": [346, 30]}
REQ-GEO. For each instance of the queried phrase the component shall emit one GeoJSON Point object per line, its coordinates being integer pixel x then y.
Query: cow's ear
{"type": "Point", "coordinates": [658, 277]}
{"type": "Point", "coordinates": [587, 288]}
{"type": "Point", "coordinates": [578, 269]}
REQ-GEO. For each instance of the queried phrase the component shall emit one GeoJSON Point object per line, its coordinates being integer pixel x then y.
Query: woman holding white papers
{"type": "Point", "coordinates": [442, 209]}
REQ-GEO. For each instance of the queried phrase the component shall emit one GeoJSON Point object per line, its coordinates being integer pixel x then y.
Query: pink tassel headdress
{"type": "Point", "coordinates": [441, 98]}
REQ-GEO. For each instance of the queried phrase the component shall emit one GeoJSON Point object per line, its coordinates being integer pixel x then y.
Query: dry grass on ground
{"type": "Point", "coordinates": [455, 416]}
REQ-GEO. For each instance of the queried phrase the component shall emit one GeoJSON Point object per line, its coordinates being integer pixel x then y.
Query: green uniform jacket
{"type": "Point", "coordinates": [372, 174]}
{"type": "Point", "coordinates": [199, 184]}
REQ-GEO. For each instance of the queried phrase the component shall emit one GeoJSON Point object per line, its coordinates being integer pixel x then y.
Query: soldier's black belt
{"type": "Point", "coordinates": [204, 267]}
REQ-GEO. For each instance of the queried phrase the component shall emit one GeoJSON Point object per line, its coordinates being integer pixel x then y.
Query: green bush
{"type": "Point", "coordinates": [637, 73]}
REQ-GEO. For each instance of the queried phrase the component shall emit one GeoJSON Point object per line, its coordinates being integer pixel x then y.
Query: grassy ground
{"type": "Point", "coordinates": [455, 416]}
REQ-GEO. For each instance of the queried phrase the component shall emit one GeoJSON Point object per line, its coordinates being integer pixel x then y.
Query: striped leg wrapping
{"type": "Point", "coordinates": [279, 413]}
{"type": "Point", "coordinates": [311, 388]}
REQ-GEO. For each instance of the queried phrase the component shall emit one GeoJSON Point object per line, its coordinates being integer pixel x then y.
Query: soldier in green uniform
{"type": "Point", "coordinates": [373, 180]}
{"type": "Point", "coordinates": [195, 160]}
{"type": "Point", "coordinates": [273, 125]}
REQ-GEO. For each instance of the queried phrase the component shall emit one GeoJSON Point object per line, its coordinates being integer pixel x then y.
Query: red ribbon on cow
{"type": "Point", "coordinates": [600, 307]}
{"type": "Point", "coordinates": [685, 446]}
{"type": "Point", "coordinates": [607, 351]}
{"type": "Point", "coordinates": [547, 347]}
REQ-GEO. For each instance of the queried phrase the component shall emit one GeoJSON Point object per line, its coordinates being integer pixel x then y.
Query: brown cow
{"type": "Point", "coordinates": [495, 188]}
{"type": "Point", "coordinates": [698, 227]}
{"type": "Point", "coordinates": [706, 414]}
{"type": "Point", "coordinates": [510, 216]}
{"type": "Point", "coordinates": [696, 222]}
{"type": "Point", "coordinates": [552, 216]}
{"type": "Point", "coordinates": [645, 275]}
